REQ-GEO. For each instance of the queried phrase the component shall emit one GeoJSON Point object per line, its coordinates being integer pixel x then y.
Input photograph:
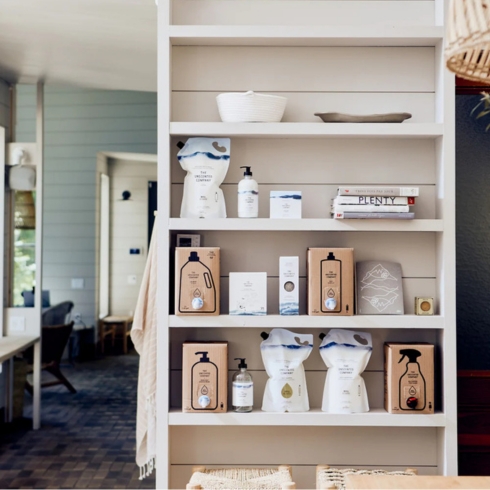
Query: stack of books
{"type": "Point", "coordinates": [374, 202]}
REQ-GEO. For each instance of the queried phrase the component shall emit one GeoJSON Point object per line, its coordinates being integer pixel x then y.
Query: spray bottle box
{"type": "Point", "coordinates": [197, 280]}
{"type": "Point", "coordinates": [248, 293]}
{"type": "Point", "coordinates": [288, 286]}
{"type": "Point", "coordinates": [409, 378]}
{"type": "Point", "coordinates": [330, 281]}
{"type": "Point", "coordinates": [205, 376]}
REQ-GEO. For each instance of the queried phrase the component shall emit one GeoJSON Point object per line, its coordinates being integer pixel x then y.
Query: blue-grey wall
{"type": "Point", "coordinates": [78, 124]}
{"type": "Point", "coordinates": [472, 235]}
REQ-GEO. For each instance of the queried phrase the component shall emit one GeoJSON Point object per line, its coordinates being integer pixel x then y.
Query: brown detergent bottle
{"type": "Point", "coordinates": [197, 292]}
{"type": "Point", "coordinates": [330, 284]}
{"type": "Point", "coordinates": [412, 388]}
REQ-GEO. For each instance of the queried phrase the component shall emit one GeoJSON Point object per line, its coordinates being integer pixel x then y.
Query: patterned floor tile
{"type": "Point", "coordinates": [87, 439]}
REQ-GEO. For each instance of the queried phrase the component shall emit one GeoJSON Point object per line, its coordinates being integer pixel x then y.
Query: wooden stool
{"type": "Point", "coordinates": [116, 326]}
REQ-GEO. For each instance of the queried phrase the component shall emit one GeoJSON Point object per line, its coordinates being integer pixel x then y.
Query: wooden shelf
{"type": "Point", "coordinates": [412, 322]}
{"type": "Point", "coordinates": [375, 418]}
{"type": "Point", "coordinates": [307, 130]}
{"type": "Point", "coordinates": [361, 35]}
{"type": "Point", "coordinates": [265, 224]}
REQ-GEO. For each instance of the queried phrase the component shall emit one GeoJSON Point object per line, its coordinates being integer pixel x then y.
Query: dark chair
{"type": "Point", "coordinates": [53, 342]}
{"type": "Point", "coordinates": [57, 314]}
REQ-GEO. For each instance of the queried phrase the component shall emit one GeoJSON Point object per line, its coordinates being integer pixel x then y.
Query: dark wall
{"type": "Point", "coordinates": [472, 235]}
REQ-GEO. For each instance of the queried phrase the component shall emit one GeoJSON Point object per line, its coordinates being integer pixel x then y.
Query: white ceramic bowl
{"type": "Point", "coordinates": [250, 107]}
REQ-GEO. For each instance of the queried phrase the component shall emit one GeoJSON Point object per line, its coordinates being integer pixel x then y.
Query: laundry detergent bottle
{"type": "Point", "coordinates": [204, 384]}
{"type": "Point", "coordinates": [197, 293]}
{"type": "Point", "coordinates": [331, 277]}
{"type": "Point", "coordinates": [412, 388]}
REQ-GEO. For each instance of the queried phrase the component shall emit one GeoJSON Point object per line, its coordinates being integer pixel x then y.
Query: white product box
{"type": "Point", "coordinates": [285, 204]}
{"type": "Point", "coordinates": [288, 286]}
{"type": "Point", "coordinates": [248, 293]}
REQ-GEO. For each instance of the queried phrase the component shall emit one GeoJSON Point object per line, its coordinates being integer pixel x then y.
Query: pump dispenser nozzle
{"type": "Point", "coordinates": [204, 357]}
{"type": "Point", "coordinates": [247, 172]}
{"type": "Point", "coordinates": [412, 355]}
{"type": "Point", "coordinates": [242, 364]}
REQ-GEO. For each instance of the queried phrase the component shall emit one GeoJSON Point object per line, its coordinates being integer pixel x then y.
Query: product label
{"type": "Point", "coordinates": [243, 394]}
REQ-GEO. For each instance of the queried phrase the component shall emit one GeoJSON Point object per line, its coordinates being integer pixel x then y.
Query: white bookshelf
{"type": "Point", "coordinates": [219, 35]}
{"type": "Point", "coordinates": [308, 322]}
{"type": "Point", "coordinates": [308, 130]}
{"type": "Point", "coordinates": [375, 417]}
{"type": "Point", "coordinates": [370, 57]}
{"type": "Point", "coordinates": [305, 224]}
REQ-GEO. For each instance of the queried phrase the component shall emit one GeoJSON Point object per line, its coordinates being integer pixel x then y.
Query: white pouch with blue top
{"type": "Point", "coordinates": [283, 353]}
{"type": "Point", "coordinates": [346, 354]}
{"type": "Point", "coordinates": [206, 162]}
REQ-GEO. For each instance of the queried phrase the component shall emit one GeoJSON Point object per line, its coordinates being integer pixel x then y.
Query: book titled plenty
{"type": "Point", "coordinates": [378, 191]}
{"type": "Point", "coordinates": [375, 200]}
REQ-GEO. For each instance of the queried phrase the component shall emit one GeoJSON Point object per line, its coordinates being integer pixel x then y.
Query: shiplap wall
{"type": "Point", "coordinates": [5, 106]}
{"type": "Point", "coordinates": [78, 124]}
{"type": "Point", "coordinates": [129, 229]}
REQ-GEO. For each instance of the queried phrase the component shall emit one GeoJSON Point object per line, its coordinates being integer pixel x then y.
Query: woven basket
{"type": "Point", "coordinates": [241, 478]}
{"type": "Point", "coordinates": [468, 39]}
{"type": "Point", "coordinates": [334, 478]}
{"type": "Point", "coordinates": [250, 107]}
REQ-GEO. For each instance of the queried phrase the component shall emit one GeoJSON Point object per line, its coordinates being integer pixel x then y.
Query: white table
{"type": "Point", "coordinates": [9, 347]}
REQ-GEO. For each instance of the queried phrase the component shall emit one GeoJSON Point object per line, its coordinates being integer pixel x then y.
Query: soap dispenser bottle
{"type": "Point", "coordinates": [411, 390]}
{"type": "Point", "coordinates": [204, 383]}
{"type": "Point", "coordinates": [248, 196]}
{"type": "Point", "coordinates": [243, 388]}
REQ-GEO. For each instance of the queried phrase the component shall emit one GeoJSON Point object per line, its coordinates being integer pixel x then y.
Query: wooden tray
{"type": "Point", "coordinates": [338, 117]}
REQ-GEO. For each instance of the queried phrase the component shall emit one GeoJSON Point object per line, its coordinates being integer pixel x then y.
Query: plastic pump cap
{"type": "Point", "coordinates": [193, 257]}
{"type": "Point", "coordinates": [204, 357]}
{"type": "Point", "coordinates": [330, 303]}
{"type": "Point", "coordinates": [242, 364]}
{"type": "Point", "coordinates": [204, 401]}
{"type": "Point", "coordinates": [197, 303]}
{"type": "Point", "coordinates": [264, 335]}
{"type": "Point", "coordinates": [247, 171]}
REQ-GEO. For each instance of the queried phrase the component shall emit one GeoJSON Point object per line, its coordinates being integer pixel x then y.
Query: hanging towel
{"type": "Point", "coordinates": [144, 337]}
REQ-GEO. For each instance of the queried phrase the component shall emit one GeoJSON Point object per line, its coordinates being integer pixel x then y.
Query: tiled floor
{"type": "Point", "coordinates": [87, 440]}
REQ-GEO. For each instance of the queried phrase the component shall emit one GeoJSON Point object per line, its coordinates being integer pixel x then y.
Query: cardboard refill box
{"type": "Point", "coordinates": [409, 378]}
{"type": "Point", "coordinates": [330, 281]}
{"type": "Point", "coordinates": [197, 280]}
{"type": "Point", "coordinates": [205, 377]}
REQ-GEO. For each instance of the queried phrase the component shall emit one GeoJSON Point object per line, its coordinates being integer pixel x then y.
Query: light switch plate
{"type": "Point", "coordinates": [77, 283]}
{"type": "Point", "coordinates": [17, 324]}
{"type": "Point", "coordinates": [132, 280]}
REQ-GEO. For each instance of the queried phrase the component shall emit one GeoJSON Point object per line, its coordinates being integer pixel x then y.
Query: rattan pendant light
{"type": "Point", "coordinates": [468, 39]}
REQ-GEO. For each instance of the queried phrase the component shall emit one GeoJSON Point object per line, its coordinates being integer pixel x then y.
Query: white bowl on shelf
{"type": "Point", "coordinates": [250, 107]}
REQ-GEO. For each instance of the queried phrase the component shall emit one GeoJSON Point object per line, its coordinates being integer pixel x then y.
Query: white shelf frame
{"type": "Point", "coordinates": [442, 131]}
{"type": "Point", "coordinates": [308, 130]}
{"type": "Point", "coordinates": [220, 35]}
{"type": "Point", "coordinates": [376, 417]}
{"type": "Point", "coordinates": [307, 322]}
{"type": "Point", "coordinates": [265, 224]}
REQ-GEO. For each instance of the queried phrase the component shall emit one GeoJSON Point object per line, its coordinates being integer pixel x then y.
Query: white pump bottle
{"type": "Point", "coordinates": [248, 196]}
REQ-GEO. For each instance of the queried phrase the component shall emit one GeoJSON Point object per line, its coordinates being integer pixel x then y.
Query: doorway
{"type": "Point", "coordinates": [126, 201]}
